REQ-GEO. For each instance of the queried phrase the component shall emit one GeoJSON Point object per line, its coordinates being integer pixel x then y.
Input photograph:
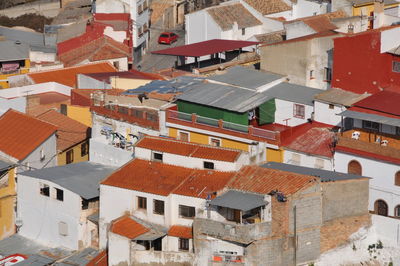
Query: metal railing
{"type": "Point", "coordinates": [196, 119]}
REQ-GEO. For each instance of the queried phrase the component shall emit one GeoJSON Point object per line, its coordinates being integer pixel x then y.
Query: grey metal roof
{"type": "Point", "coordinates": [293, 93]}
{"type": "Point", "coordinates": [37, 260]}
{"type": "Point", "coordinates": [94, 217]}
{"type": "Point", "coordinates": [81, 258]}
{"type": "Point", "coordinates": [245, 77]}
{"type": "Point", "coordinates": [324, 175]}
{"type": "Point", "coordinates": [371, 117]}
{"type": "Point", "coordinates": [10, 51]}
{"type": "Point", "coordinates": [81, 178]}
{"type": "Point", "coordinates": [339, 96]}
{"type": "Point", "coordinates": [35, 40]}
{"type": "Point", "coordinates": [238, 200]}
{"type": "Point", "coordinates": [4, 165]}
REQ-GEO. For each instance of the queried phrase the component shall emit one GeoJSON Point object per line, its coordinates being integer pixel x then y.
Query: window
{"type": "Point", "coordinates": [59, 194]}
{"type": "Point", "coordinates": [354, 167]}
{"type": "Point", "coordinates": [186, 211]}
{"type": "Point", "coordinates": [142, 203]}
{"type": "Point", "coordinates": [122, 109]}
{"type": "Point", "coordinates": [184, 136]}
{"type": "Point", "coordinates": [69, 156]}
{"type": "Point", "coordinates": [215, 142]}
{"type": "Point", "coordinates": [85, 204]}
{"type": "Point", "coordinates": [84, 149]}
{"type": "Point", "coordinates": [137, 113]}
{"type": "Point", "coordinates": [44, 190]}
{"type": "Point", "coordinates": [157, 156]}
{"type": "Point", "coordinates": [299, 111]}
{"type": "Point", "coordinates": [116, 64]}
{"type": "Point", "coordinates": [328, 74]}
{"type": "Point", "coordinates": [233, 215]}
{"type": "Point", "coordinates": [331, 106]}
{"type": "Point", "coordinates": [396, 66]}
{"type": "Point", "coordinates": [183, 244]}
{"type": "Point", "coordinates": [63, 228]}
{"type": "Point", "coordinates": [397, 211]}
{"type": "Point", "coordinates": [397, 179]}
{"type": "Point", "coordinates": [158, 207]}
{"type": "Point", "coordinates": [151, 117]}
{"type": "Point", "coordinates": [370, 125]}
{"type": "Point", "coordinates": [243, 31]}
{"type": "Point", "coordinates": [208, 165]}
{"type": "Point", "coordinates": [42, 156]}
{"type": "Point", "coordinates": [381, 208]}
{"type": "Point", "coordinates": [312, 74]}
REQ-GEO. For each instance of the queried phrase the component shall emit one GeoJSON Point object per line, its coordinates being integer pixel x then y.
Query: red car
{"type": "Point", "coordinates": [167, 38]}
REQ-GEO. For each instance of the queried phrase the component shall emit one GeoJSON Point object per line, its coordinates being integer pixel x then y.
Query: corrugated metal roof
{"type": "Point", "coordinates": [383, 101]}
{"type": "Point", "coordinates": [241, 100]}
{"type": "Point", "coordinates": [238, 200]}
{"type": "Point", "coordinates": [4, 165]}
{"type": "Point", "coordinates": [205, 48]}
{"type": "Point", "coordinates": [81, 258]}
{"type": "Point", "coordinates": [245, 77]}
{"type": "Point", "coordinates": [10, 50]}
{"type": "Point", "coordinates": [371, 117]}
{"type": "Point", "coordinates": [81, 178]}
{"type": "Point", "coordinates": [324, 175]}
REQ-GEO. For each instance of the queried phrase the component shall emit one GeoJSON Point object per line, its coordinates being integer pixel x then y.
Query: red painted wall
{"type": "Point", "coordinates": [359, 66]}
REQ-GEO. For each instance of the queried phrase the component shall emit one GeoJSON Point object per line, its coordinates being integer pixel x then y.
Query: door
{"type": "Point", "coordinates": [381, 208]}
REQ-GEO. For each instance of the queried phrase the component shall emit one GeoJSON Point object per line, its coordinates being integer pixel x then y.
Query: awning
{"type": "Point", "coordinates": [371, 117]}
{"type": "Point", "coordinates": [238, 200]}
{"type": "Point", "coordinates": [205, 48]}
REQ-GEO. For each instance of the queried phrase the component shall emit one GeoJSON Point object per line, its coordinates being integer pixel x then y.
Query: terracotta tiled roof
{"type": "Point", "coordinates": [311, 138]}
{"type": "Point", "coordinates": [188, 149]}
{"type": "Point", "coordinates": [267, 7]}
{"type": "Point", "coordinates": [69, 131]}
{"type": "Point", "coordinates": [22, 134]}
{"type": "Point", "coordinates": [127, 227]}
{"type": "Point", "coordinates": [272, 37]}
{"type": "Point", "coordinates": [226, 15]}
{"type": "Point", "coordinates": [384, 101]}
{"type": "Point", "coordinates": [67, 76]}
{"type": "Point", "coordinates": [331, 34]}
{"type": "Point", "coordinates": [180, 231]}
{"type": "Point", "coordinates": [321, 23]}
{"type": "Point", "coordinates": [263, 180]}
{"type": "Point", "coordinates": [163, 179]}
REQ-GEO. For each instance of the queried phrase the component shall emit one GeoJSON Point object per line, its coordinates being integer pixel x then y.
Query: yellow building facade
{"type": "Point", "coordinates": [81, 114]}
{"type": "Point", "coordinates": [369, 8]}
{"type": "Point", "coordinates": [3, 77]}
{"type": "Point", "coordinates": [7, 202]}
{"type": "Point", "coordinates": [76, 154]}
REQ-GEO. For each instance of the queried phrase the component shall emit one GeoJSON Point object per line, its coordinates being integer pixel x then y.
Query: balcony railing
{"type": "Point", "coordinates": [201, 120]}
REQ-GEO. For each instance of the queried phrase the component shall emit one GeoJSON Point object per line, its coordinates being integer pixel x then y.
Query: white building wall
{"type": "Point", "coordinates": [285, 109]}
{"type": "Point", "coordinates": [38, 56]}
{"type": "Point", "coordinates": [297, 29]}
{"type": "Point", "coordinates": [18, 104]}
{"type": "Point", "coordinates": [35, 89]}
{"type": "Point", "coordinates": [307, 160]}
{"type": "Point", "coordinates": [200, 27]}
{"type": "Point", "coordinates": [382, 174]}
{"type": "Point", "coordinates": [389, 39]}
{"type": "Point", "coordinates": [33, 160]}
{"type": "Point", "coordinates": [41, 215]}
{"type": "Point", "coordinates": [86, 82]}
{"type": "Point", "coordinates": [324, 114]}
{"type": "Point", "coordinates": [177, 200]}
{"type": "Point", "coordinates": [118, 250]}
{"type": "Point", "coordinates": [304, 8]}
{"type": "Point", "coordinates": [104, 153]}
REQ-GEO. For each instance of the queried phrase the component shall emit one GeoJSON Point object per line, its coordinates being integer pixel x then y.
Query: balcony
{"type": "Point", "coordinates": [248, 132]}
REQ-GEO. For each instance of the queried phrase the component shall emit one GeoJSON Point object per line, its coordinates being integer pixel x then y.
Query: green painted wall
{"type": "Point", "coordinates": [211, 112]}
{"type": "Point", "coordinates": [267, 112]}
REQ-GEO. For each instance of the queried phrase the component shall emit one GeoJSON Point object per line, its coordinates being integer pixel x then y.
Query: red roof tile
{"type": "Point", "coordinates": [70, 132]}
{"type": "Point", "coordinates": [188, 149]}
{"type": "Point", "coordinates": [384, 101]}
{"type": "Point", "coordinates": [67, 76]}
{"type": "Point", "coordinates": [264, 180]}
{"type": "Point", "coordinates": [163, 179]}
{"type": "Point", "coordinates": [22, 134]}
{"type": "Point", "coordinates": [311, 138]}
{"type": "Point", "coordinates": [127, 227]}
{"type": "Point", "coordinates": [180, 231]}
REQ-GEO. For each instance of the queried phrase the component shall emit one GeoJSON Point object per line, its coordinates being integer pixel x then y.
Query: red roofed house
{"type": "Point", "coordinates": [368, 61]}
{"type": "Point", "coordinates": [369, 145]}
{"type": "Point", "coordinates": [27, 141]}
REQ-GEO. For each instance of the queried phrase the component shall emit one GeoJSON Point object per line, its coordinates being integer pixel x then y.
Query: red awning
{"type": "Point", "coordinates": [205, 48]}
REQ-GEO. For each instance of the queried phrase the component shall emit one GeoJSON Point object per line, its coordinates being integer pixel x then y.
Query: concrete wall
{"type": "Point", "coordinates": [41, 215]}
{"type": "Point", "coordinates": [18, 104]}
{"type": "Point", "coordinates": [102, 153]}
{"type": "Point", "coordinates": [307, 160]}
{"type": "Point", "coordinates": [200, 27]}
{"type": "Point", "coordinates": [297, 29]}
{"type": "Point", "coordinates": [387, 229]}
{"type": "Point", "coordinates": [285, 110]}
{"type": "Point", "coordinates": [35, 89]}
{"type": "Point", "coordinates": [118, 250]}
{"type": "Point", "coordinates": [145, 257]}
{"type": "Point", "coordinates": [127, 83]}
{"type": "Point", "coordinates": [323, 113]}
{"type": "Point", "coordinates": [86, 82]}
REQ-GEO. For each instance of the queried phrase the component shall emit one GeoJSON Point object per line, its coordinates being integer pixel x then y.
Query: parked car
{"type": "Point", "coordinates": [167, 38]}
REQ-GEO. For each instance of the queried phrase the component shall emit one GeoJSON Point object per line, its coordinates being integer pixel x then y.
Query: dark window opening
{"type": "Point", "coordinates": [84, 149]}
{"type": "Point", "coordinates": [69, 156]}
{"type": "Point", "coordinates": [157, 156]}
{"type": "Point", "coordinates": [59, 194]}
{"type": "Point", "coordinates": [142, 203]}
{"type": "Point", "coordinates": [370, 125]}
{"type": "Point", "coordinates": [299, 111]}
{"type": "Point", "coordinates": [158, 207]}
{"type": "Point", "coordinates": [208, 165]}
{"type": "Point", "coordinates": [183, 244]}
{"type": "Point", "coordinates": [45, 190]}
{"type": "Point", "coordinates": [186, 211]}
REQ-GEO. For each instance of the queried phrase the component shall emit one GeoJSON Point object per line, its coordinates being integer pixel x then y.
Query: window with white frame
{"type": "Point", "coordinates": [187, 211]}
{"type": "Point", "coordinates": [215, 142]}
{"type": "Point", "coordinates": [184, 136]}
{"type": "Point", "coordinates": [299, 110]}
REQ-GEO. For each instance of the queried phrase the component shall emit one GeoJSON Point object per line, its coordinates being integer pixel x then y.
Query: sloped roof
{"type": "Point", "coordinates": [340, 96]}
{"type": "Point", "coordinates": [384, 101]}
{"type": "Point", "coordinates": [188, 149]}
{"type": "Point", "coordinates": [67, 76]}
{"type": "Point", "coordinates": [22, 134]}
{"type": "Point", "coordinates": [239, 200]}
{"type": "Point", "coordinates": [266, 7]}
{"type": "Point", "coordinates": [180, 231]}
{"type": "Point", "coordinates": [10, 50]}
{"type": "Point", "coordinates": [262, 180]}
{"type": "Point", "coordinates": [127, 227]}
{"type": "Point", "coordinates": [81, 178]}
{"type": "Point", "coordinates": [271, 37]}
{"type": "Point", "coordinates": [226, 15]}
{"type": "Point", "coordinates": [69, 131]}
{"type": "Point", "coordinates": [163, 179]}
{"type": "Point", "coordinates": [131, 74]}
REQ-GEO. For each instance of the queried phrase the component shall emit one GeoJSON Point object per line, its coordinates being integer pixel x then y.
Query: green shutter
{"type": "Point", "coordinates": [267, 112]}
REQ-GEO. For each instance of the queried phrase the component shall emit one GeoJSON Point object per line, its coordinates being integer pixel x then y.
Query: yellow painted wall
{"type": "Point", "coordinates": [3, 78]}
{"type": "Point", "coordinates": [204, 139]}
{"type": "Point", "coordinates": [127, 84]}
{"type": "Point", "coordinates": [275, 155]}
{"type": "Point", "coordinates": [366, 10]}
{"type": "Point", "coordinates": [62, 157]}
{"type": "Point", "coordinates": [80, 113]}
{"type": "Point", "coordinates": [7, 199]}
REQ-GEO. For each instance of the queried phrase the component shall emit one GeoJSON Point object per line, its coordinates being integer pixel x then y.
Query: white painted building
{"type": "Point", "coordinates": [54, 204]}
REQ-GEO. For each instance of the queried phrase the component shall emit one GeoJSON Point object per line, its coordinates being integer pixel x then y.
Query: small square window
{"type": "Point", "coordinates": [184, 136]}
{"type": "Point", "coordinates": [331, 106]}
{"type": "Point", "coordinates": [59, 194]}
{"type": "Point", "coordinates": [186, 211]}
{"type": "Point", "coordinates": [69, 156]}
{"type": "Point", "coordinates": [208, 165]}
{"type": "Point", "coordinates": [158, 207]}
{"type": "Point", "coordinates": [215, 142]}
{"type": "Point", "coordinates": [183, 244]}
{"type": "Point", "coordinates": [142, 203]}
{"type": "Point", "coordinates": [299, 111]}
{"type": "Point", "coordinates": [157, 156]}
{"type": "Point", "coordinates": [45, 190]}
{"type": "Point", "coordinates": [312, 74]}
